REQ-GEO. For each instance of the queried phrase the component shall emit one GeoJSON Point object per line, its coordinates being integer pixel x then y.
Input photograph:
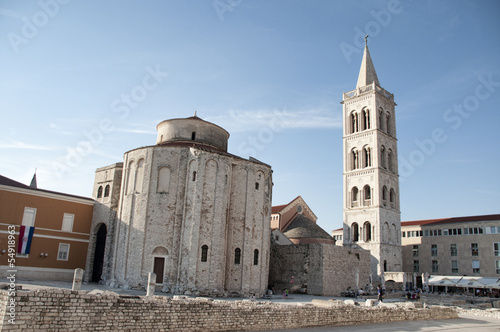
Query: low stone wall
{"type": "Point", "coordinates": [58, 309]}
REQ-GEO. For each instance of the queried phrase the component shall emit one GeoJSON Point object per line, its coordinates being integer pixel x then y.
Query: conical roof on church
{"type": "Point", "coordinates": [302, 227]}
{"type": "Point", "coordinates": [367, 73]}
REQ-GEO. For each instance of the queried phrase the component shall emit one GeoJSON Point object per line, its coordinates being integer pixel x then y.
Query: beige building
{"type": "Point", "coordinates": [185, 209]}
{"type": "Point", "coordinates": [462, 246]}
{"type": "Point", "coordinates": [48, 230]}
{"type": "Point", "coordinates": [371, 181]}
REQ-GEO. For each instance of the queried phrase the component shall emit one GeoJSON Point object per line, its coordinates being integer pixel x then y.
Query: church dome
{"type": "Point", "coordinates": [192, 129]}
{"type": "Point", "coordinates": [303, 230]}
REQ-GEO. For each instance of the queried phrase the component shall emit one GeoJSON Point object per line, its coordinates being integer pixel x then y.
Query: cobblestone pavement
{"type": "Point", "coordinates": [463, 324]}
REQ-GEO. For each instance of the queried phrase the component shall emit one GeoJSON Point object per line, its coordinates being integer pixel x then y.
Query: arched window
{"type": "Point", "coordinates": [385, 232]}
{"type": "Point", "coordinates": [393, 234]}
{"type": "Point", "coordinates": [367, 156]}
{"type": "Point", "coordinates": [106, 191]}
{"type": "Point", "coordinates": [383, 162]}
{"type": "Point", "coordinates": [194, 176]}
{"type": "Point", "coordinates": [381, 120]}
{"type": "Point", "coordinates": [355, 232]}
{"type": "Point", "coordinates": [354, 194]}
{"type": "Point", "coordinates": [163, 180]}
{"type": "Point", "coordinates": [140, 176]}
{"type": "Point", "coordinates": [367, 227]}
{"type": "Point", "coordinates": [367, 193]}
{"type": "Point", "coordinates": [392, 197]}
{"type": "Point", "coordinates": [354, 123]}
{"type": "Point", "coordinates": [388, 126]}
{"type": "Point", "coordinates": [130, 178]}
{"type": "Point", "coordinates": [384, 193]}
{"type": "Point", "coordinates": [354, 159]}
{"type": "Point", "coordinates": [366, 119]}
{"type": "Point", "coordinates": [256, 257]}
{"type": "Point", "coordinates": [390, 160]}
{"type": "Point", "coordinates": [204, 253]}
{"type": "Point", "coordinates": [99, 192]}
{"type": "Point", "coordinates": [237, 256]}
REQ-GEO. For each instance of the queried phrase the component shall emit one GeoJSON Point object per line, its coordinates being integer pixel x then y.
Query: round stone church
{"type": "Point", "coordinates": [185, 209]}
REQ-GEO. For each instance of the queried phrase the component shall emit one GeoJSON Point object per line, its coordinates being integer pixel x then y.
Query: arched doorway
{"type": "Point", "coordinates": [100, 245]}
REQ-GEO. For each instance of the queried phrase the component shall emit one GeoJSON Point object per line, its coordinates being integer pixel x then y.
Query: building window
{"type": "Point", "coordinates": [416, 266]}
{"type": "Point", "coordinates": [367, 227]}
{"type": "Point", "coordinates": [497, 267]}
{"type": "Point", "coordinates": [193, 135]}
{"type": "Point", "coordinates": [392, 197]}
{"type": "Point", "coordinates": [163, 180]}
{"type": "Point", "coordinates": [384, 193]}
{"type": "Point", "coordinates": [475, 267]}
{"type": "Point", "coordinates": [415, 250]}
{"type": "Point", "coordinates": [29, 217]}
{"type": "Point", "coordinates": [256, 186]}
{"type": "Point", "coordinates": [454, 266]}
{"type": "Point", "coordinates": [99, 192]}
{"type": "Point", "coordinates": [367, 157]}
{"type": "Point", "coordinates": [435, 267]}
{"type": "Point", "coordinates": [106, 191]}
{"type": "Point", "coordinates": [355, 232]}
{"type": "Point", "coordinates": [383, 162]}
{"type": "Point", "coordinates": [366, 119]}
{"type": "Point", "coordinates": [453, 249]}
{"type": "Point", "coordinates": [237, 255]}
{"type": "Point", "coordinates": [496, 249]}
{"type": "Point", "coordinates": [368, 193]}
{"type": "Point", "coordinates": [194, 176]}
{"type": "Point", "coordinates": [63, 252]}
{"type": "Point", "coordinates": [204, 253]}
{"type": "Point", "coordinates": [67, 224]}
{"type": "Point", "coordinates": [434, 250]}
{"type": "Point", "coordinates": [473, 230]}
{"type": "Point", "coordinates": [390, 160]}
{"type": "Point", "coordinates": [256, 257]}
{"type": "Point", "coordinates": [403, 234]}
{"type": "Point", "coordinates": [354, 159]}
{"type": "Point", "coordinates": [354, 123]}
{"type": "Point", "coordinates": [474, 249]}
{"type": "Point", "coordinates": [354, 195]}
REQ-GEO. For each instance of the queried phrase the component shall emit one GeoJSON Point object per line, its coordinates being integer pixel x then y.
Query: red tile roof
{"type": "Point", "coordinates": [489, 217]}
{"type": "Point", "coordinates": [278, 208]}
{"type": "Point", "coordinates": [5, 181]}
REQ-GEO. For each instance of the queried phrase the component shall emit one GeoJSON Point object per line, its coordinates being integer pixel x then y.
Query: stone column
{"type": "Point", "coordinates": [77, 279]}
{"type": "Point", "coordinates": [151, 284]}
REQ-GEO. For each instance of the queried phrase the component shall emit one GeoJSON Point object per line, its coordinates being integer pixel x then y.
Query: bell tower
{"type": "Point", "coordinates": [372, 218]}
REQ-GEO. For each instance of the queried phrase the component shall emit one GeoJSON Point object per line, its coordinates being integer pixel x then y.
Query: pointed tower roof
{"type": "Point", "coordinates": [367, 74]}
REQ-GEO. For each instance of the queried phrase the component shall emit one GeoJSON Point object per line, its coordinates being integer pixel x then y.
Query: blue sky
{"type": "Point", "coordinates": [83, 82]}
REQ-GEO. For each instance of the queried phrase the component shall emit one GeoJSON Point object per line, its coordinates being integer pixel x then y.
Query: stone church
{"type": "Point", "coordinates": [185, 209]}
{"type": "Point", "coordinates": [372, 218]}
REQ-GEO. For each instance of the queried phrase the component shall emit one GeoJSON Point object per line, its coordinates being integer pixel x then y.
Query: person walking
{"type": "Point", "coordinates": [380, 294]}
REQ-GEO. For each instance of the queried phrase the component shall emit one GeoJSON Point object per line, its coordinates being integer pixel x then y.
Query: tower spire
{"type": "Point", "coordinates": [367, 73]}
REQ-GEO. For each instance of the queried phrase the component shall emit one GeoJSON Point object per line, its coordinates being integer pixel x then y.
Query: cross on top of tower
{"type": "Point", "coordinates": [366, 40]}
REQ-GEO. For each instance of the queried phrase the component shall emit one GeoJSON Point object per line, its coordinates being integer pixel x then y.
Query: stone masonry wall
{"type": "Point", "coordinates": [65, 310]}
{"type": "Point", "coordinates": [318, 269]}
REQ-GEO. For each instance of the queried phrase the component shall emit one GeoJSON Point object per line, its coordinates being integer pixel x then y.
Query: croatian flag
{"type": "Point", "coordinates": [25, 237]}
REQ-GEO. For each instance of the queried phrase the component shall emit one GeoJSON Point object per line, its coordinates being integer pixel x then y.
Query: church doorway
{"type": "Point", "coordinates": [100, 245]}
{"type": "Point", "coordinates": [159, 268]}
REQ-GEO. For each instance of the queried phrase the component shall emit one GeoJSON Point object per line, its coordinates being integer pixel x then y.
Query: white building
{"type": "Point", "coordinates": [371, 182]}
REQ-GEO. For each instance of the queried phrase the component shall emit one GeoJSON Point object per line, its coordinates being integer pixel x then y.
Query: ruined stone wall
{"type": "Point", "coordinates": [57, 309]}
{"type": "Point", "coordinates": [318, 269]}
